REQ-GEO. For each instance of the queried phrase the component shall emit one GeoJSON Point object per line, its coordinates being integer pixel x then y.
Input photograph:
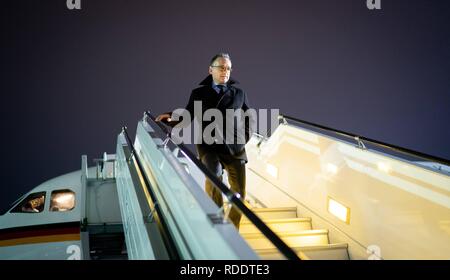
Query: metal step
{"type": "Point", "coordinates": [296, 232]}
{"type": "Point", "coordinates": [292, 239]}
{"type": "Point", "coordinates": [278, 225]}
{"type": "Point", "coordinates": [274, 213]}
{"type": "Point", "coordinates": [336, 251]}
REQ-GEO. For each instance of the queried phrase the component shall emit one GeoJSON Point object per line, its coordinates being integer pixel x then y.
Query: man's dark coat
{"type": "Point", "coordinates": [233, 98]}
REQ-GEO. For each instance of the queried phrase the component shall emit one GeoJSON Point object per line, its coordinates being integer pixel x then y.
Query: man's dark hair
{"type": "Point", "coordinates": [223, 55]}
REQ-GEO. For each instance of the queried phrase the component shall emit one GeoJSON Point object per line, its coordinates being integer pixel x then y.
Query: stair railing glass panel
{"type": "Point", "coordinates": [186, 208]}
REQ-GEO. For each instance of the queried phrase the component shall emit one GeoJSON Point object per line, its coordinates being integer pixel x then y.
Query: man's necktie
{"type": "Point", "coordinates": [221, 89]}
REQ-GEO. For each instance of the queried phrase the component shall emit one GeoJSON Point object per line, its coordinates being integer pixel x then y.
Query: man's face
{"type": "Point", "coordinates": [220, 70]}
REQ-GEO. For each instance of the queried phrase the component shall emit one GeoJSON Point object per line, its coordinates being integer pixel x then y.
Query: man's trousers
{"type": "Point", "coordinates": [236, 178]}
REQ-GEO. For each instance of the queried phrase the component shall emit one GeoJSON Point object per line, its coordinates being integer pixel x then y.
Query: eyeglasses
{"type": "Point", "coordinates": [222, 68]}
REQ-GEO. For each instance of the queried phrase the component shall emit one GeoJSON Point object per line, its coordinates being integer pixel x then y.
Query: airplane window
{"type": "Point", "coordinates": [34, 203]}
{"type": "Point", "coordinates": [62, 200]}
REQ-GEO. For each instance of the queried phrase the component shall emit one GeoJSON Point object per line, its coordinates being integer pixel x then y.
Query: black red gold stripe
{"type": "Point", "coordinates": [40, 234]}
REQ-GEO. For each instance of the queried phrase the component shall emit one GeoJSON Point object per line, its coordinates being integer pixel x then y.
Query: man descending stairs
{"type": "Point", "coordinates": [310, 244]}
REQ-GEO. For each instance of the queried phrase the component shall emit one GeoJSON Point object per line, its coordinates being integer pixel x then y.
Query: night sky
{"type": "Point", "coordinates": [70, 79]}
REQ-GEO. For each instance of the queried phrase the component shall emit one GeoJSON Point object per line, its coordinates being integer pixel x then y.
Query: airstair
{"type": "Point", "coordinates": [319, 194]}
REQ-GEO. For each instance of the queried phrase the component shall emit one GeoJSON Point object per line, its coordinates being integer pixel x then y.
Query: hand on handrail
{"type": "Point", "coordinates": [163, 117]}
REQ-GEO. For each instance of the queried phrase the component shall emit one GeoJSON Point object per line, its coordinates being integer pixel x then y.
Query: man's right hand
{"type": "Point", "coordinates": [163, 117]}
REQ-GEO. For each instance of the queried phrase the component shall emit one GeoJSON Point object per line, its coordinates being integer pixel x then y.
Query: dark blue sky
{"type": "Point", "coordinates": [71, 79]}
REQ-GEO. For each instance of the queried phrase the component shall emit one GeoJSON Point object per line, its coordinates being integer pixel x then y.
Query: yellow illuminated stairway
{"type": "Point", "coordinates": [310, 244]}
